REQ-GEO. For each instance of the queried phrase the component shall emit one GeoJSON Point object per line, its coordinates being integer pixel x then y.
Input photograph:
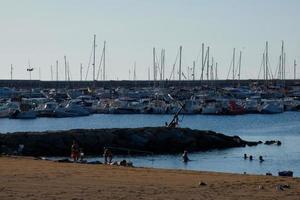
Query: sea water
{"type": "Point", "coordinates": [284, 127]}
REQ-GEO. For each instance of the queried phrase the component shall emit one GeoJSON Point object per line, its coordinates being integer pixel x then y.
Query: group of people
{"type": "Point", "coordinates": [251, 158]}
{"type": "Point", "coordinates": [77, 154]}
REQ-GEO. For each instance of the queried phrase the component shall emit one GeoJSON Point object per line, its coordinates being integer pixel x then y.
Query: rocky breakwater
{"type": "Point", "coordinates": [158, 140]}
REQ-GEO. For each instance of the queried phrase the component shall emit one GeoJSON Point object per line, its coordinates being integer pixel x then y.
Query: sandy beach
{"type": "Point", "coordinates": [26, 178]}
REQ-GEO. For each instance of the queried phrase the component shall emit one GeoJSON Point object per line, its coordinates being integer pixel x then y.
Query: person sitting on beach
{"type": "Point", "coordinates": [107, 154]}
{"type": "Point", "coordinates": [75, 151]}
{"type": "Point", "coordinates": [185, 157]}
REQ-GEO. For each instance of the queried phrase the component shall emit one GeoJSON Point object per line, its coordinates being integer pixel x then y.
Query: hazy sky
{"type": "Point", "coordinates": [43, 31]}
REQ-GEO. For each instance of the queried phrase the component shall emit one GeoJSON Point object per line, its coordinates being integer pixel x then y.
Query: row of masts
{"type": "Point", "coordinates": [159, 72]}
{"type": "Point", "coordinates": [208, 68]}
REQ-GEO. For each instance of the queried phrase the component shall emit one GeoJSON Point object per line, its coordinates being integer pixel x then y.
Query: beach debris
{"type": "Point", "coordinates": [269, 174]}
{"type": "Point", "coordinates": [282, 187]}
{"type": "Point", "coordinates": [41, 158]}
{"type": "Point", "coordinates": [94, 162]}
{"type": "Point", "coordinates": [279, 188]}
{"type": "Point", "coordinates": [261, 187]}
{"type": "Point", "coordinates": [285, 173]}
{"type": "Point", "coordinates": [201, 183]}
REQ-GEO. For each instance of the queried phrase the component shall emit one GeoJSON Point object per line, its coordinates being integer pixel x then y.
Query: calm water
{"type": "Point", "coordinates": [284, 127]}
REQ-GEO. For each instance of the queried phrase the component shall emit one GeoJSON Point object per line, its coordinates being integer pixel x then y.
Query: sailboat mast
{"type": "Point", "coordinates": [57, 70]}
{"type": "Point", "coordinates": [207, 66]}
{"type": "Point", "coordinates": [66, 71]}
{"type": "Point", "coordinates": [94, 58]}
{"type": "Point", "coordinates": [282, 60]}
{"type": "Point", "coordinates": [161, 64]}
{"type": "Point", "coordinates": [216, 71]}
{"type": "Point", "coordinates": [180, 54]}
{"type": "Point", "coordinates": [81, 71]}
{"type": "Point", "coordinates": [240, 63]}
{"type": "Point", "coordinates": [104, 49]}
{"type": "Point", "coordinates": [202, 63]}
{"type": "Point", "coordinates": [154, 65]}
{"type": "Point", "coordinates": [295, 65]}
{"type": "Point", "coordinates": [267, 59]}
{"type": "Point", "coordinates": [233, 66]}
{"type": "Point", "coordinates": [194, 66]}
{"type": "Point", "coordinates": [134, 72]}
{"type": "Point", "coordinates": [212, 69]}
{"type": "Point", "coordinates": [11, 72]}
{"type": "Point", "coordinates": [51, 68]}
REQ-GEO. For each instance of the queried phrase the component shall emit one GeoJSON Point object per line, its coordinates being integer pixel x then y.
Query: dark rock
{"type": "Point", "coordinates": [269, 142]}
{"type": "Point", "coordinates": [285, 173]}
{"type": "Point", "coordinates": [201, 183]}
{"type": "Point", "coordinates": [156, 140]}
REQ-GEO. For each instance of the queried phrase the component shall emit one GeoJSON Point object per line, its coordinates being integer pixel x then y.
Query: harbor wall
{"type": "Point", "coordinates": [23, 84]}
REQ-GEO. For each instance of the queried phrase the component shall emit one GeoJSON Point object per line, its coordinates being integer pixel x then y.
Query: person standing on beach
{"type": "Point", "coordinates": [75, 151]}
{"type": "Point", "coordinates": [105, 155]}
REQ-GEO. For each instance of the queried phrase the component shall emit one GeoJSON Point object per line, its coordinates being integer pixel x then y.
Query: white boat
{"type": "Point", "coordinates": [70, 110]}
{"type": "Point", "coordinates": [156, 107]}
{"type": "Point", "coordinates": [4, 111]}
{"type": "Point", "coordinates": [272, 107]}
{"type": "Point", "coordinates": [47, 109]}
{"type": "Point", "coordinates": [30, 114]}
{"type": "Point", "coordinates": [252, 105]}
{"type": "Point", "coordinates": [291, 104]}
{"type": "Point", "coordinates": [191, 107]}
{"type": "Point", "coordinates": [212, 107]}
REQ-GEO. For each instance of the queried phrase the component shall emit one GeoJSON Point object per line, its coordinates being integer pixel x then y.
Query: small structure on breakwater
{"type": "Point", "coordinates": [158, 140]}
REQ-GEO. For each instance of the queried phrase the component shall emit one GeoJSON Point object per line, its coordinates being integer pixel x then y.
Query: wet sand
{"type": "Point", "coordinates": [26, 178]}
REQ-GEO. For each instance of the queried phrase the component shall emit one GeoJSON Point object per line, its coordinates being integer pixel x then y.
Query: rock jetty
{"type": "Point", "coordinates": [157, 140]}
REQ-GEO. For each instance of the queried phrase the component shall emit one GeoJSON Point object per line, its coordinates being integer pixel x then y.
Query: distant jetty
{"type": "Point", "coordinates": [133, 84]}
{"type": "Point", "coordinates": [155, 140]}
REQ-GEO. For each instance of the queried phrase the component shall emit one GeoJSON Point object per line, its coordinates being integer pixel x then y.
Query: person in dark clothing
{"type": "Point", "coordinates": [75, 151]}
{"type": "Point", "coordinates": [185, 157]}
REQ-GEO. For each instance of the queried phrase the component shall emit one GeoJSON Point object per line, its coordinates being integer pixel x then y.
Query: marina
{"type": "Point", "coordinates": [60, 103]}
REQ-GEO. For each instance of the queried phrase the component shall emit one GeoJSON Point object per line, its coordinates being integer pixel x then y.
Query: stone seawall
{"type": "Point", "coordinates": [157, 140]}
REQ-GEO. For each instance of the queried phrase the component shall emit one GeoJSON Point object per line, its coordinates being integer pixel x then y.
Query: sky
{"type": "Point", "coordinates": [40, 32]}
